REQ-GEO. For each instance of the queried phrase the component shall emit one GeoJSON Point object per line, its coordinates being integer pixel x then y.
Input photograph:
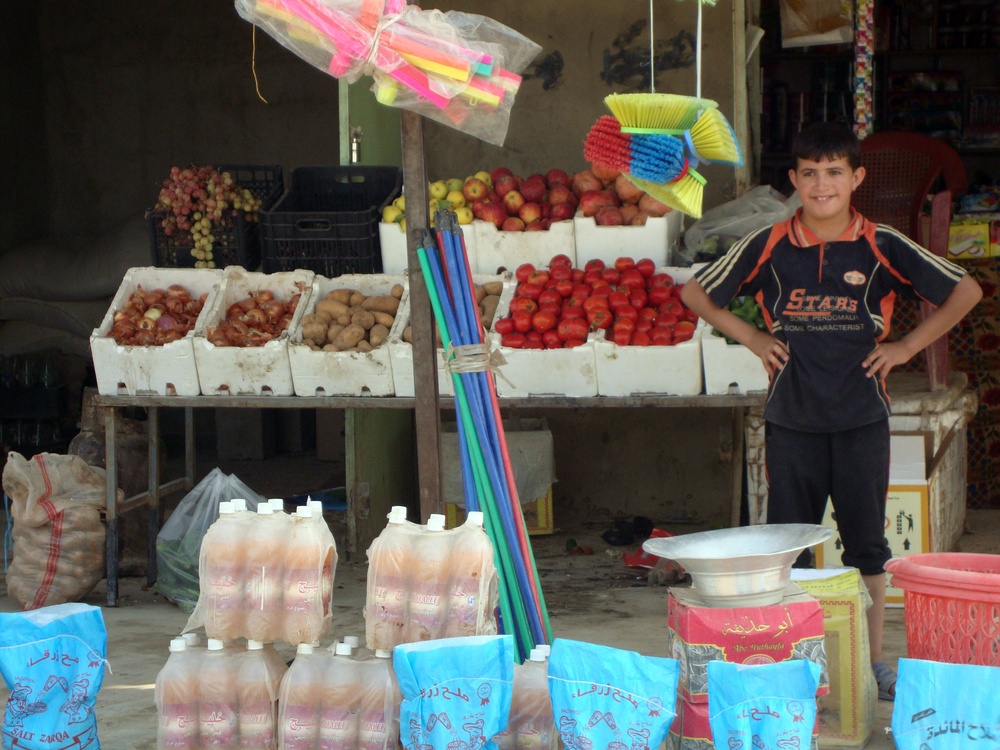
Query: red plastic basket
{"type": "Point", "coordinates": [951, 606]}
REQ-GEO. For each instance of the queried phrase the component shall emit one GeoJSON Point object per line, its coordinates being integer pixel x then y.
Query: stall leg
{"type": "Point", "coordinates": [153, 501]}
{"type": "Point", "coordinates": [111, 532]}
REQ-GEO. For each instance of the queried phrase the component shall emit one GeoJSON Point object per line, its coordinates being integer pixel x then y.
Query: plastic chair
{"type": "Point", "coordinates": [901, 169]}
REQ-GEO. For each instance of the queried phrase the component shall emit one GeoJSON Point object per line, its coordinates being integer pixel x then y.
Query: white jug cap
{"type": "Point", "coordinates": [545, 649]}
{"type": "Point", "coordinates": [304, 648]}
{"type": "Point", "coordinates": [474, 517]}
{"type": "Point", "coordinates": [177, 644]}
{"type": "Point", "coordinates": [435, 522]}
{"type": "Point", "coordinates": [253, 645]}
{"type": "Point", "coordinates": [352, 640]}
{"type": "Point", "coordinates": [226, 506]}
{"type": "Point", "coordinates": [239, 504]}
{"type": "Point", "coordinates": [191, 639]}
{"type": "Point", "coordinates": [264, 509]}
{"type": "Point", "coordinates": [304, 511]}
{"type": "Point", "coordinates": [277, 503]}
{"type": "Point", "coordinates": [536, 655]}
{"type": "Point", "coordinates": [343, 649]}
{"type": "Point", "coordinates": [216, 644]}
{"type": "Point", "coordinates": [397, 514]}
{"type": "Point", "coordinates": [317, 507]}
{"type": "Point", "coordinates": [382, 653]}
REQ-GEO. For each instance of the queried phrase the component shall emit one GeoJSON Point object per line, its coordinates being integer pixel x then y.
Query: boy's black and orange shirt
{"type": "Point", "coordinates": [829, 302]}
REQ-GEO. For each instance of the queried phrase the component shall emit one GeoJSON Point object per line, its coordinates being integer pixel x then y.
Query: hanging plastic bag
{"type": "Point", "coordinates": [52, 660]}
{"type": "Point", "coordinates": [606, 697]}
{"type": "Point", "coordinates": [456, 691]}
{"type": "Point", "coordinates": [720, 227]}
{"type": "Point", "coordinates": [943, 706]}
{"type": "Point", "coordinates": [59, 538]}
{"type": "Point", "coordinates": [806, 23]}
{"type": "Point", "coordinates": [178, 545]}
{"type": "Point", "coordinates": [766, 705]}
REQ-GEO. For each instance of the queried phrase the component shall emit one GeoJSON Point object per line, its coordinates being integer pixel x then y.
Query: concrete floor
{"type": "Point", "coordinates": [591, 598]}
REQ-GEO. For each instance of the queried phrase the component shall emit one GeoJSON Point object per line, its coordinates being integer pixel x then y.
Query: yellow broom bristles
{"type": "Point", "coordinates": [656, 113]}
{"type": "Point", "coordinates": [713, 139]}
{"type": "Point", "coordinates": [684, 195]}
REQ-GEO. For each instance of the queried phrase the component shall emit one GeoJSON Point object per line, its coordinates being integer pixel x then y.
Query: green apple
{"type": "Point", "coordinates": [485, 177]}
{"type": "Point", "coordinates": [455, 184]}
{"type": "Point", "coordinates": [455, 198]}
{"type": "Point", "coordinates": [438, 189]}
{"type": "Point", "coordinates": [464, 215]}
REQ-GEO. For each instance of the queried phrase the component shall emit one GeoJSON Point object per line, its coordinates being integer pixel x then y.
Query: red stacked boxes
{"type": "Point", "coordinates": [698, 634]}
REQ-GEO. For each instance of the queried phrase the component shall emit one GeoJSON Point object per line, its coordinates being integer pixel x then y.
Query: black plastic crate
{"type": "Point", "coordinates": [328, 219]}
{"type": "Point", "coordinates": [237, 241]}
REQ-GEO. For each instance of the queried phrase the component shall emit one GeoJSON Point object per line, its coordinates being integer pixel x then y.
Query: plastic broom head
{"type": "Point", "coordinates": [606, 144]}
{"type": "Point", "coordinates": [656, 113]}
{"type": "Point", "coordinates": [684, 194]}
{"type": "Point", "coordinates": [657, 158]}
{"type": "Point", "coordinates": [712, 139]}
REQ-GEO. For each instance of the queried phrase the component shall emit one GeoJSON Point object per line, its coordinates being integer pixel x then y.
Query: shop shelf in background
{"type": "Point", "coordinates": [327, 221]}
{"type": "Point", "coordinates": [237, 240]}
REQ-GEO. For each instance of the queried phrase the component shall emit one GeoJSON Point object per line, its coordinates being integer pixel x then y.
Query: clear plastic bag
{"type": "Point", "coordinates": [720, 227]}
{"type": "Point", "coordinates": [178, 545]}
{"type": "Point", "coordinates": [459, 69]}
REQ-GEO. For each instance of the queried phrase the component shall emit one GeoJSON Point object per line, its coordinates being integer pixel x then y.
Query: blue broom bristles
{"type": "Point", "coordinates": [657, 158]}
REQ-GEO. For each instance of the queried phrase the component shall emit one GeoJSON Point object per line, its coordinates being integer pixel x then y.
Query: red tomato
{"type": "Point", "coordinates": [603, 289]}
{"type": "Point", "coordinates": [578, 274]}
{"type": "Point", "coordinates": [533, 336]}
{"type": "Point", "coordinates": [561, 273]}
{"type": "Point", "coordinates": [573, 312]}
{"type": "Point", "coordinates": [591, 303]}
{"type": "Point", "coordinates": [599, 318]}
{"type": "Point", "coordinates": [677, 290]}
{"type": "Point", "coordinates": [564, 287]}
{"type": "Point", "coordinates": [659, 294]}
{"type": "Point", "coordinates": [504, 326]}
{"type": "Point", "coordinates": [591, 276]}
{"type": "Point", "coordinates": [523, 303]}
{"type": "Point", "coordinates": [661, 279]}
{"type": "Point", "coordinates": [572, 328]}
{"type": "Point", "coordinates": [543, 320]}
{"type": "Point", "coordinates": [550, 295]}
{"type": "Point", "coordinates": [560, 260]}
{"type": "Point", "coordinates": [624, 263]}
{"type": "Point", "coordinates": [573, 342]}
{"type": "Point", "coordinates": [533, 344]}
{"type": "Point", "coordinates": [523, 271]}
{"type": "Point", "coordinates": [538, 277]}
{"type": "Point", "coordinates": [647, 312]}
{"type": "Point", "coordinates": [522, 321]}
{"type": "Point", "coordinates": [632, 279]}
{"type": "Point", "coordinates": [672, 306]}
{"type": "Point", "coordinates": [638, 299]}
{"type": "Point", "coordinates": [660, 336]}
{"type": "Point", "coordinates": [529, 290]}
{"type": "Point", "coordinates": [624, 324]}
{"type": "Point", "coordinates": [553, 307]}
{"type": "Point", "coordinates": [551, 340]}
{"type": "Point", "coordinates": [627, 312]}
{"type": "Point", "coordinates": [581, 290]}
{"type": "Point", "coordinates": [594, 264]}
{"type": "Point", "coordinates": [643, 324]}
{"type": "Point", "coordinates": [611, 275]}
{"type": "Point", "coordinates": [683, 331]}
{"type": "Point", "coordinates": [690, 315]}
{"type": "Point", "coordinates": [618, 298]}
{"type": "Point", "coordinates": [513, 340]}
{"type": "Point", "coordinates": [667, 320]}
{"type": "Point", "coordinates": [640, 338]}
{"type": "Point", "coordinates": [550, 283]}
{"type": "Point", "coordinates": [646, 267]}
{"type": "Point", "coordinates": [622, 338]}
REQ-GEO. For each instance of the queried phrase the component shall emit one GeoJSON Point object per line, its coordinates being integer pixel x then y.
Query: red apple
{"type": "Point", "coordinates": [628, 192]}
{"type": "Point", "coordinates": [474, 189]}
{"type": "Point", "coordinates": [584, 181]}
{"type": "Point", "coordinates": [608, 216]}
{"type": "Point", "coordinates": [513, 200]}
{"type": "Point", "coordinates": [534, 226]}
{"type": "Point", "coordinates": [512, 224]}
{"type": "Point", "coordinates": [651, 206]}
{"type": "Point", "coordinates": [529, 212]}
{"type": "Point", "coordinates": [560, 194]}
{"type": "Point", "coordinates": [562, 211]}
{"type": "Point", "coordinates": [546, 209]}
{"type": "Point", "coordinates": [629, 211]}
{"type": "Point", "coordinates": [494, 212]}
{"type": "Point", "coordinates": [557, 177]}
{"type": "Point", "coordinates": [533, 189]}
{"type": "Point", "coordinates": [604, 173]}
{"type": "Point", "coordinates": [477, 207]}
{"type": "Point", "coordinates": [492, 195]}
{"type": "Point", "coordinates": [496, 173]}
{"type": "Point", "coordinates": [593, 201]}
{"type": "Point", "coordinates": [639, 219]}
{"type": "Point", "coordinates": [504, 184]}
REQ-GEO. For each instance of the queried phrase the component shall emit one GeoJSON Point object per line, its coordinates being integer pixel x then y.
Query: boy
{"type": "Point", "coordinates": [826, 280]}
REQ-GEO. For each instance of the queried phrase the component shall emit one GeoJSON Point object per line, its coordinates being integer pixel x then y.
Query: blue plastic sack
{"type": "Point", "coordinates": [52, 660]}
{"type": "Point", "coordinates": [766, 705]}
{"type": "Point", "coordinates": [942, 706]}
{"type": "Point", "coordinates": [605, 697]}
{"type": "Point", "coordinates": [456, 691]}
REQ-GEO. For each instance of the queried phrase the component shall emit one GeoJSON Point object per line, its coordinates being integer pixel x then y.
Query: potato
{"type": "Point", "coordinates": [480, 293]}
{"type": "Point", "coordinates": [489, 308]}
{"type": "Point", "coordinates": [363, 318]}
{"type": "Point", "coordinates": [315, 329]}
{"type": "Point", "coordinates": [384, 319]}
{"type": "Point", "coordinates": [396, 291]}
{"type": "Point", "coordinates": [377, 334]}
{"type": "Point", "coordinates": [383, 303]}
{"type": "Point", "coordinates": [408, 334]}
{"type": "Point", "coordinates": [333, 331]}
{"type": "Point", "coordinates": [331, 307]}
{"type": "Point", "coordinates": [340, 295]}
{"type": "Point", "coordinates": [364, 346]}
{"type": "Point", "coordinates": [349, 337]}
{"type": "Point", "coordinates": [343, 319]}
{"type": "Point", "coordinates": [330, 348]}
{"type": "Point", "coordinates": [313, 346]}
{"type": "Point", "coordinates": [493, 287]}
{"type": "Point", "coordinates": [356, 299]}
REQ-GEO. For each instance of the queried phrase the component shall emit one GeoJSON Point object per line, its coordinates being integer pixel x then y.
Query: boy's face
{"type": "Point", "coordinates": [825, 188]}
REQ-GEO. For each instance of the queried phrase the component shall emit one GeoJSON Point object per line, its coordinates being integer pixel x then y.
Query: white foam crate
{"type": "Point", "coordinates": [256, 370]}
{"type": "Point", "coordinates": [657, 239]}
{"type": "Point", "coordinates": [401, 352]}
{"type": "Point", "coordinates": [730, 368]}
{"type": "Point", "coordinates": [543, 372]}
{"type": "Point", "coordinates": [498, 249]}
{"type": "Point", "coordinates": [393, 243]}
{"type": "Point", "coordinates": [168, 370]}
{"type": "Point", "coordinates": [651, 370]}
{"type": "Point", "coordinates": [343, 373]}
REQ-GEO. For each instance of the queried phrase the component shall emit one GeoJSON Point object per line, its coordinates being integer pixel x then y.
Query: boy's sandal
{"type": "Point", "coordinates": [885, 677]}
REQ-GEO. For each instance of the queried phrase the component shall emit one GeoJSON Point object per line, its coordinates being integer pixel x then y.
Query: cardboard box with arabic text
{"type": "Point", "coordinates": [698, 634]}
{"type": "Point", "coordinates": [847, 712]}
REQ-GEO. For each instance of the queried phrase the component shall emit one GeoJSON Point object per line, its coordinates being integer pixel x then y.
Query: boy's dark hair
{"type": "Point", "coordinates": [827, 140]}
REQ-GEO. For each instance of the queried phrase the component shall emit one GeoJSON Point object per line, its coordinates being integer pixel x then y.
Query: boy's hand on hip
{"type": "Point", "coordinates": [772, 353]}
{"type": "Point", "coordinates": [884, 357]}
